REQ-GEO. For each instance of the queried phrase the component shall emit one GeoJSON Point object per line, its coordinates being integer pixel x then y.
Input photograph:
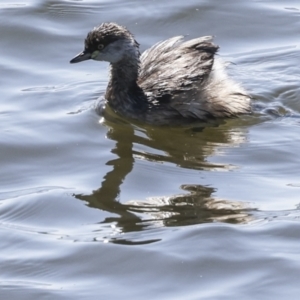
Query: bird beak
{"type": "Point", "coordinates": [84, 55]}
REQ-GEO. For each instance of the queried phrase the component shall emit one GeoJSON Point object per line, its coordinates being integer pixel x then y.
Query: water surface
{"type": "Point", "coordinates": [93, 208]}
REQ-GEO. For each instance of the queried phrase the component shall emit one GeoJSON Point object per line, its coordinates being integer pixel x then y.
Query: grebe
{"type": "Point", "coordinates": [175, 81]}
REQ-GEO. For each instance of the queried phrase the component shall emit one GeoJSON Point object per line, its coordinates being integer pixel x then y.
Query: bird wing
{"type": "Point", "coordinates": [173, 67]}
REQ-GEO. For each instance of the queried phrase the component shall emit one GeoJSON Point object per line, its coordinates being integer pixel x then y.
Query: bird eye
{"type": "Point", "coordinates": [100, 46]}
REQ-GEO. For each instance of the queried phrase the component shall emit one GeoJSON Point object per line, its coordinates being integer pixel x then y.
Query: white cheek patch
{"type": "Point", "coordinates": [94, 54]}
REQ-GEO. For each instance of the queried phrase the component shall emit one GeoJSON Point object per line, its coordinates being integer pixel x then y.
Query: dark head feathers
{"type": "Point", "coordinates": [105, 34]}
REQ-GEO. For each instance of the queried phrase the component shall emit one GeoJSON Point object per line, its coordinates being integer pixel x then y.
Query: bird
{"type": "Point", "coordinates": [173, 82]}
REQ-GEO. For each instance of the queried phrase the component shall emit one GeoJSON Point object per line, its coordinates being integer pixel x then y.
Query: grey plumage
{"type": "Point", "coordinates": [174, 81]}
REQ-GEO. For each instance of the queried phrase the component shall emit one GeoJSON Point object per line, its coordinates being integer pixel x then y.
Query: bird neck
{"type": "Point", "coordinates": [123, 93]}
{"type": "Point", "coordinates": [124, 73]}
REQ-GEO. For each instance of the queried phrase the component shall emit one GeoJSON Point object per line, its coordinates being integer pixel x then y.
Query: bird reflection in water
{"type": "Point", "coordinates": [184, 147]}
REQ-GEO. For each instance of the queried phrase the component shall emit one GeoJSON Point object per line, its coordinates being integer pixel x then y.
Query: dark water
{"type": "Point", "coordinates": [105, 209]}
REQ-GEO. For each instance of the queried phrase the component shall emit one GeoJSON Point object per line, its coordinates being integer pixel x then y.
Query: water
{"type": "Point", "coordinates": [93, 208]}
